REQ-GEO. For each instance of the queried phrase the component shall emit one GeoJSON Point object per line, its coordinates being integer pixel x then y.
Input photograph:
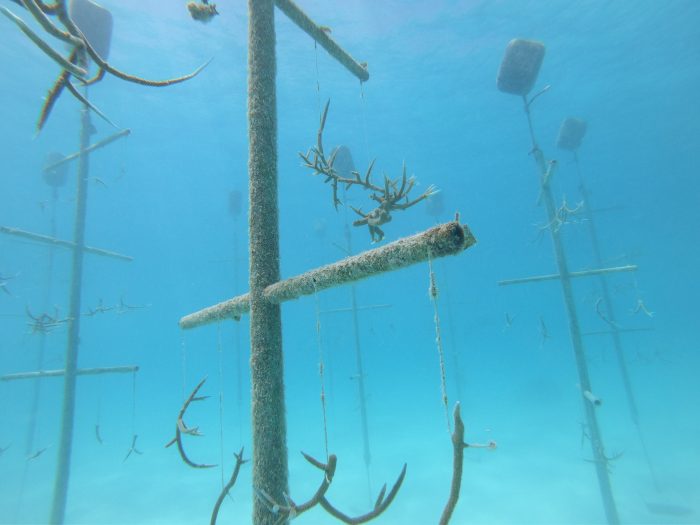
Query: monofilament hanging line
{"type": "Point", "coordinates": [320, 369]}
{"type": "Point", "coordinates": [318, 82]}
{"type": "Point", "coordinates": [133, 403]}
{"type": "Point", "coordinates": [364, 120]}
{"type": "Point", "coordinates": [124, 158]}
{"type": "Point", "coordinates": [183, 364]}
{"type": "Point", "coordinates": [316, 305]}
{"type": "Point", "coordinates": [98, 436]}
{"type": "Point", "coordinates": [434, 293]}
{"type": "Point", "coordinates": [221, 401]}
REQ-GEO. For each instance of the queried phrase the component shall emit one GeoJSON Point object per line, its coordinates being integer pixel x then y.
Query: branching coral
{"type": "Point", "coordinates": [392, 195]}
{"type": "Point", "coordinates": [75, 65]}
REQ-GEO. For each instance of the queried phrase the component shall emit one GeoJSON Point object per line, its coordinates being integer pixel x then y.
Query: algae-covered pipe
{"type": "Point", "coordinates": [320, 35]}
{"type": "Point", "coordinates": [266, 364]}
{"type": "Point", "coordinates": [445, 239]}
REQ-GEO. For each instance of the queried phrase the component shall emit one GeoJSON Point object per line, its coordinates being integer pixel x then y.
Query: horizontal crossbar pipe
{"type": "Point", "coordinates": [618, 330]}
{"type": "Point", "coordinates": [358, 308]}
{"type": "Point", "coordinates": [302, 20]}
{"type": "Point", "coordinates": [81, 372]}
{"type": "Point", "coordinates": [59, 242]}
{"type": "Point", "coordinates": [446, 239]}
{"type": "Point", "coordinates": [89, 149]}
{"type": "Point", "coordinates": [583, 273]}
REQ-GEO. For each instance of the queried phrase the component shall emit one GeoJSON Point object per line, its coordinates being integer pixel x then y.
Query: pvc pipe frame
{"type": "Point", "coordinates": [582, 273]}
{"type": "Point", "coordinates": [594, 433]}
{"type": "Point", "coordinates": [62, 479]}
{"type": "Point", "coordinates": [40, 374]}
{"type": "Point", "coordinates": [97, 145]}
{"type": "Point", "coordinates": [63, 244]}
{"type": "Point", "coordinates": [445, 239]}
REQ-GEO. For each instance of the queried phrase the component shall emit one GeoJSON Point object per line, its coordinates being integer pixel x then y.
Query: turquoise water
{"type": "Point", "coordinates": [629, 69]}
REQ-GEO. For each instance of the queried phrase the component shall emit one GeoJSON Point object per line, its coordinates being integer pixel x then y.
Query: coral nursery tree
{"type": "Point", "coordinates": [273, 503]}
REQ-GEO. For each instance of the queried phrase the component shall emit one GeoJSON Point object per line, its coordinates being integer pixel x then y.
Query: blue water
{"type": "Point", "coordinates": [630, 69]}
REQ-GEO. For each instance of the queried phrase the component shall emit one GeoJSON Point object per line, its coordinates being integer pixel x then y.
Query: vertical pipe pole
{"type": "Point", "coordinates": [605, 292]}
{"type": "Point", "coordinates": [599, 459]}
{"type": "Point", "coordinates": [367, 456]}
{"type": "Point", "coordinates": [266, 363]}
{"type": "Point", "coordinates": [60, 494]}
{"type": "Point", "coordinates": [610, 312]}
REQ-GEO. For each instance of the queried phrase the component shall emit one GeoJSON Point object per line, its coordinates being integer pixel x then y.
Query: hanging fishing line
{"type": "Point", "coordinates": [124, 157]}
{"type": "Point", "coordinates": [98, 418]}
{"type": "Point", "coordinates": [134, 435]}
{"type": "Point", "coordinates": [133, 403]}
{"type": "Point", "coordinates": [316, 303]}
{"type": "Point", "coordinates": [318, 82]}
{"type": "Point", "coordinates": [183, 364]}
{"type": "Point", "coordinates": [237, 338]}
{"type": "Point", "coordinates": [363, 116]}
{"type": "Point", "coordinates": [239, 375]}
{"type": "Point", "coordinates": [320, 369]}
{"type": "Point", "coordinates": [221, 401]}
{"type": "Point", "coordinates": [434, 293]}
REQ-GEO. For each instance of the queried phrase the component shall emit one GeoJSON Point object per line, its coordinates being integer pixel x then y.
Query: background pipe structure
{"type": "Point", "coordinates": [49, 239]}
{"type": "Point", "coordinates": [593, 430]}
{"type": "Point", "coordinates": [80, 372]}
{"type": "Point", "coordinates": [60, 494]}
{"type": "Point", "coordinates": [611, 317]}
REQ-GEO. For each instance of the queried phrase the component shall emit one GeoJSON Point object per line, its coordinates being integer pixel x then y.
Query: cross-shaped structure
{"type": "Point", "coordinates": [267, 290]}
{"type": "Point", "coordinates": [78, 248]}
{"type": "Point", "coordinates": [517, 75]}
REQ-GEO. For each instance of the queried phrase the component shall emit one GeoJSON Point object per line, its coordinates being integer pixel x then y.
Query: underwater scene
{"type": "Point", "coordinates": [392, 262]}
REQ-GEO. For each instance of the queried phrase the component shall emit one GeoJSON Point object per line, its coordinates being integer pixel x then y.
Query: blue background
{"type": "Point", "coordinates": [630, 69]}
